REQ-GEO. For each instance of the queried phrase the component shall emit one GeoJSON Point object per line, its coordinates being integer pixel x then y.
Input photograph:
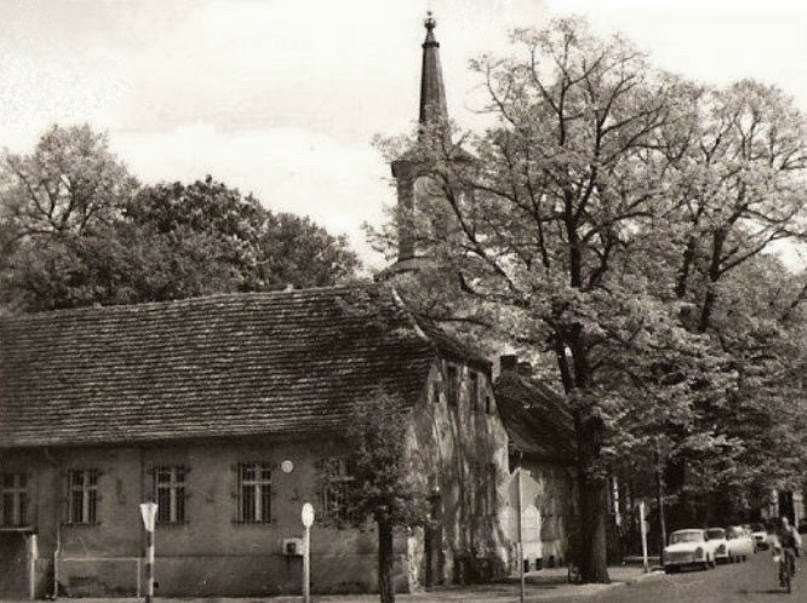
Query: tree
{"type": "Point", "coordinates": [53, 204]}
{"type": "Point", "coordinates": [76, 229]}
{"type": "Point", "coordinates": [383, 468]}
{"type": "Point", "coordinates": [550, 231]}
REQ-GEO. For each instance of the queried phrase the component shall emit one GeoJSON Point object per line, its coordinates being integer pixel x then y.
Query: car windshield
{"type": "Point", "coordinates": [685, 537]}
{"type": "Point", "coordinates": [735, 532]}
{"type": "Point", "coordinates": [715, 534]}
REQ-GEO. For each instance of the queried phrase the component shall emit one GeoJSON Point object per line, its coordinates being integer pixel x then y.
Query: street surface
{"type": "Point", "coordinates": [755, 580]}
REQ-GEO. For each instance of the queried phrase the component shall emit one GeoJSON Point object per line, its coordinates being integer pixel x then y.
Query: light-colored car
{"type": "Point", "coordinates": [688, 548]}
{"type": "Point", "coordinates": [741, 546]}
{"type": "Point", "coordinates": [717, 536]}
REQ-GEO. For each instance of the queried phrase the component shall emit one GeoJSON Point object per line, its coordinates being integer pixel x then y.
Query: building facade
{"type": "Point", "coordinates": [539, 509]}
{"type": "Point", "coordinates": [229, 412]}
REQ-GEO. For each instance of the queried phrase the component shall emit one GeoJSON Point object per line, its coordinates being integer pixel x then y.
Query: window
{"type": "Point", "coordinates": [337, 485]}
{"type": "Point", "coordinates": [13, 499]}
{"type": "Point", "coordinates": [488, 405]}
{"type": "Point", "coordinates": [474, 391]}
{"type": "Point", "coordinates": [169, 493]}
{"type": "Point", "coordinates": [453, 385]}
{"type": "Point", "coordinates": [436, 387]}
{"type": "Point", "coordinates": [254, 492]}
{"type": "Point", "coordinates": [82, 496]}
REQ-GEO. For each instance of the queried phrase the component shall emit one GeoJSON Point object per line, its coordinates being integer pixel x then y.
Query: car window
{"type": "Point", "coordinates": [685, 537]}
{"type": "Point", "coordinates": [715, 534]}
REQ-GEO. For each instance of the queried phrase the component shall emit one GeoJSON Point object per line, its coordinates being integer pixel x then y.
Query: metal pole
{"type": "Point", "coordinates": [307, 565]}
{"type": "Point", "coordinates": [149, 566]}
{"type": "Point", "coordinates": [643, 527]}
{"type": "Point", "coordinates": [33, 554]}
{"type": "Point", "coordinates": [520, 539]}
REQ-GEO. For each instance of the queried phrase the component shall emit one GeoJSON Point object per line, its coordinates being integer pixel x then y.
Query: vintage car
{"type": "Point", "coordinates": [741, 546]}
{"type": "Point", "coordinates": [717, 536]}
{"type": "Point", "coordinates": [759, 536]}
{"type": "Point", "coordinates": [688, 548]}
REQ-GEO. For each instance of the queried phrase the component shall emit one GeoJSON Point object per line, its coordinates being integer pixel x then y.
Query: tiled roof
{"type": "Point", "coordinates": [536, 418]}
{"type": "Point", "coordinates": [238, 364]}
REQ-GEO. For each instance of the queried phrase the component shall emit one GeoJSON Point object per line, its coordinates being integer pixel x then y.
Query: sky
{"type": "Point", "coordinates": [282, 98]}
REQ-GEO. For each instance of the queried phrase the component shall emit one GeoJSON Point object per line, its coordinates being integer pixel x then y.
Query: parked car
{"type": "Point", "coordinates": [721, 544]}
{"type": "Point", "coordinates": [741, 546]}
{"type": "Point", "coordinates": [760, 536]}
{"type": "Point", "coordinates": [688, 548]}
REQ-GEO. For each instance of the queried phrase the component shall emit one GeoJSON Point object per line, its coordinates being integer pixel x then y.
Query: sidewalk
{"type": "Point", "coordinates": [543, 584]}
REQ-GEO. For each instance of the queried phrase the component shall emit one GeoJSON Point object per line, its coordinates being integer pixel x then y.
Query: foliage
{"type": "Point", "coordinates": [381, 465]}
{"type": "Point", "coordinates": [385, 484]}
{"type": "Point", "coordinates": [77, 229]}
{"type": "Point", "coordinates": [600, 221]}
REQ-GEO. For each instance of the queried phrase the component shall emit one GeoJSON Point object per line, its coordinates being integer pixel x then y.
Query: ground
{"type": "Point", "coordinates": [748, 582]}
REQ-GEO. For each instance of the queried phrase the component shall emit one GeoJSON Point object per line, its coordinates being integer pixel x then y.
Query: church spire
{"type": "Point", "coordinates": [433, 109]}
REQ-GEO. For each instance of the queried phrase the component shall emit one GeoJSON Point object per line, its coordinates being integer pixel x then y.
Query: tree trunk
{"type": "Point", "coordinates": [386, 587]}
{"type": "Point", "coordinates": [593, 496]}
{"type": "Point", "coordinates": [662, 524]}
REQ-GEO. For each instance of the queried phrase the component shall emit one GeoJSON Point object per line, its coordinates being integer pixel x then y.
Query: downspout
{"type": "Point", "coordinates": [58, 523]}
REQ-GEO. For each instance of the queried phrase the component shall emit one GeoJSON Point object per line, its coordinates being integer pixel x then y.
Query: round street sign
{"type": "Point", "coordinates": [307, 515]}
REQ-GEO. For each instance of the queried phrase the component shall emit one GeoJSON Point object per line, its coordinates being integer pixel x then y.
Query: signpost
{"type": "Point", "coordinates": [307, 517]}
{"type": "Point", "coordinates": [149, 512]}
{"type": "Point", "coordinates": [643, 527]}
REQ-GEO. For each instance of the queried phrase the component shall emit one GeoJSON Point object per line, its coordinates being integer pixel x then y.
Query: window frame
{"type": "Point", "coordinates": [336, 481]}
{"type": "Point", "coordinates": [85, 492]}
{"type": "Point", "coordinates": [175, 488]}
{"type": "Point", "coordinates": [259, 511]}
{"type": "Point", "coordinates": [17, 493]}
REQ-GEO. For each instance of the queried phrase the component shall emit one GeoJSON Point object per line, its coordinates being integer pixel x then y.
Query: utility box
{"type": "Point", "coordinates": [293, 547]}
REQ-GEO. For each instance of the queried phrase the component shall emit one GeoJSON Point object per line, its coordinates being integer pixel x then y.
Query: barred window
{"type": "Point", "coordinates": [13, 499]}
{"type": "Point", "coordinates": [254, 492]}
{"type": "Point", "coordinates": [453, 390]}
{"type": "Point", "coordinates": [169, 493]}
{"type": "Point", "coordinates": [336, 502]}
{"type": "Point", "coordinates": [82, 496]}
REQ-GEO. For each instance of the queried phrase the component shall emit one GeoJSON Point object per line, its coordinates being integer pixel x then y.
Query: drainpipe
{"type": "Point", "coordinates": [57, 517]}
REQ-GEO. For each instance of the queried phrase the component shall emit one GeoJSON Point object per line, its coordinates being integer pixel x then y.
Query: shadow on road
{"type": "Point", "coordinates": [770, 591]}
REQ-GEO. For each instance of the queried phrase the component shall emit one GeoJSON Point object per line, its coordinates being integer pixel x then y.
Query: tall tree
{"type": "Point", "coordinates": [53, 204]}
{"type": "Point", "coordinates": [550, 230]}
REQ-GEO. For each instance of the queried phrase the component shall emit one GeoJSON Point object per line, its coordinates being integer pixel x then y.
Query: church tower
{"type": "Point", "coordinates": [406, 170]}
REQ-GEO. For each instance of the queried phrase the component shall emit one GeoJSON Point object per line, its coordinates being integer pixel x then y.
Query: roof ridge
{"type": "Point", "coordinates": [186, 301]}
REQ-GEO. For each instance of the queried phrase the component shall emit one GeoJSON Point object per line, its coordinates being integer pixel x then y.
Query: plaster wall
{"type": "Point", "coordinates": [546, 499]}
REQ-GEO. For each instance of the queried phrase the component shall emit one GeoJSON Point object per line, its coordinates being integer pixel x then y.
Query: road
{"type": "Point", "coordinates": [754, 580]}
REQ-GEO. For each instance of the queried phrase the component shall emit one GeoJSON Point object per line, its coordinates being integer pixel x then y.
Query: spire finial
{"type": "Point", "coordinates": [429, 22]}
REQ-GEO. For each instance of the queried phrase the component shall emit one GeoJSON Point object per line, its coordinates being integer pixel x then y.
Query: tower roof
{"type": "Point", "coordinates": [433, 109]}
